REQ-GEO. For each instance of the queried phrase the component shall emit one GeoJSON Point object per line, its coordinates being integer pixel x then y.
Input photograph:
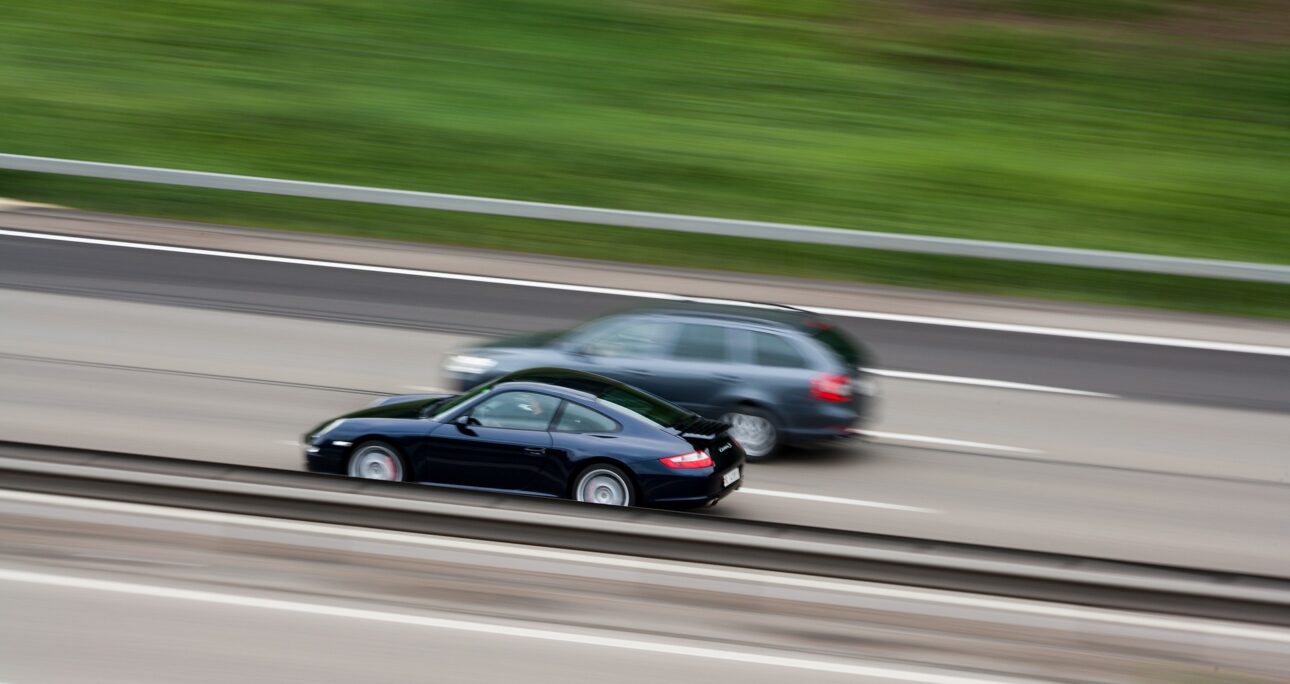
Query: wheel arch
{"type": "Point", "coordinates": [760, 404]}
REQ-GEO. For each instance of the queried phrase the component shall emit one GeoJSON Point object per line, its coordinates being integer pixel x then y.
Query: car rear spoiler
{"type": "Point", "coordinates": [700, 429]}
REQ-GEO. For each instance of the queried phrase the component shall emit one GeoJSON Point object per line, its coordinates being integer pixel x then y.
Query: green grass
{"type": "Point", "coordinates": [1114, 9]}
{"type": "Point", "coordinates": [1028, 121]}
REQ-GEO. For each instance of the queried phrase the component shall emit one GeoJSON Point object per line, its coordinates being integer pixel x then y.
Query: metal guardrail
{"type": "Point", "coordinates": [783, 232]}
{"type": "Point", "coordinates": [644, 533]}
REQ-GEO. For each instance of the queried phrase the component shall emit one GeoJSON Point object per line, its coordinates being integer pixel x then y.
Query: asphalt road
{"type": "Point", "coordinates": [1111, 477]}
{"type": "Point", "coordinates": [106, 592]}
{"type": "Point", "coordinates": [1201, 377]}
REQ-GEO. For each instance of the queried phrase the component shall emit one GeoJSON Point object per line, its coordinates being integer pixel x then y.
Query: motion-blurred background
{"type": "Point", "coordinates": [1156, 126]}
{"type": "Point", "coordinates": [1091, 427]}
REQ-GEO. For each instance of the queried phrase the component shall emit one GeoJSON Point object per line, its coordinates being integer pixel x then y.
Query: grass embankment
{"type": "Point", "coordinates": [1141, 125]}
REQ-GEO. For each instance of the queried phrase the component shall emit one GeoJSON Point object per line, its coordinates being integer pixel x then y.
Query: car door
{"type": "Point", "coordinates": [628, 351]}
{"type": "Point", "coordinates": [502, 444]}
{"type": "Point", "coordinates": [698, 369]}
{"type": "Point", "coordinates": [774, 373]}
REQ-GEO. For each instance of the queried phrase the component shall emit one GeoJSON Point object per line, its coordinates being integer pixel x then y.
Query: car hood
{"type": "Point", "coordinates": [411, 408]}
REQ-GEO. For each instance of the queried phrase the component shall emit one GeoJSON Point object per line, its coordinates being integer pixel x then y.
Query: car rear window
{"type": "Point", "coordinates": [830, 337]}
{"type": "Point", "coordinates": [644, 405]}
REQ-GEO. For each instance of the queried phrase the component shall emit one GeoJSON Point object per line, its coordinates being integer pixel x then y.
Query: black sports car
{"type": "Point", "coordinates": [545, 432]}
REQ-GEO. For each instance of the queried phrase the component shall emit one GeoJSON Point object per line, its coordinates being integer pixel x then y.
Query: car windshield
{"type": "Point", "coordinates": [443, 407]}
{"type": "Point", "coordinates": [583, 332]}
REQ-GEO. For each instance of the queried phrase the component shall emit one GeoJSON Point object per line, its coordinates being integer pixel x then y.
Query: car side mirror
{"type": "Point", "coordinates": [464, 421]}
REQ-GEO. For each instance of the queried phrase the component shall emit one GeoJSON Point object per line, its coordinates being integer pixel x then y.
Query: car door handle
{"type": "Point", "coordinates": [535, 451]}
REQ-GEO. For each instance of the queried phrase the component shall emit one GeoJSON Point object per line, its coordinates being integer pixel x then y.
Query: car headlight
{"type": "Point", "coordinates": [325, 429]}
{"type": "Point", "coordinates": [473, 365]}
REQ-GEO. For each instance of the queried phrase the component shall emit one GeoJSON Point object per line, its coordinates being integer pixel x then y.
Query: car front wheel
{"type": "Point", "coordinates": [376, 461]}
{"type": "Point", "coordinates": [755, 431]}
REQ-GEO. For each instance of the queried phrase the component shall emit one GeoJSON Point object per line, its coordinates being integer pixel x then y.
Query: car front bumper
{"type": "Point", "coordinates": [326, 458]}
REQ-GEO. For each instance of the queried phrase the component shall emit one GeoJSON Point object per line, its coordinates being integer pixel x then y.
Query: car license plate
{"type": "Point", "coordinates": [730, 478]}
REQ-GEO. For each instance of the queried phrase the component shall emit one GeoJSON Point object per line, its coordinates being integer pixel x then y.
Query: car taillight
{"type": "Point", "coordinates": [830, 387]}
{"type": "Point", "coordinates": [694, 459]}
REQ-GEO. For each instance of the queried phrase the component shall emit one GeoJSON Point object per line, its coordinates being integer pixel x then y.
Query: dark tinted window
{"type": "Point", "coordinates": [647, 406]}
{"type": "Point", "coordinates": [578, 418]}
{"type": "Point", "coordinates": [700, 343]}
{"type": "Point", "coordinates": [516, 411]}
{"type": "Point", "coordinates": [773, 350]}
{"type": "Point", "coordinates": [836, 341]}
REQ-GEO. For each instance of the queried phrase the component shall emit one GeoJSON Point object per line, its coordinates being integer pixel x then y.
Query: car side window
{"type": "Point", "coordinates": [516, 411]}
{"type": "Point", "coordinates": [633, 339]}
{"type": "Point", "coordinates": [579, 418]}
{"type": "Point", "coordinates": [773, 350]}
{"type": "Point", "coordinates": [697, 342]}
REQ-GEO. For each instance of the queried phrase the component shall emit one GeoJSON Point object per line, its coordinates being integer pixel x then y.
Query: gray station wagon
{"type": "Point", "coordinates": [776, 375]}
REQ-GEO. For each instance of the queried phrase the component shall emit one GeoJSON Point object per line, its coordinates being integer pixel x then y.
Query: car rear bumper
{"type": "Point", "coordinates": [703, 489]}
{"type": "Point", "coordinates": [825, 422]}
{"type": "Point", "coordinates": [829, 434]}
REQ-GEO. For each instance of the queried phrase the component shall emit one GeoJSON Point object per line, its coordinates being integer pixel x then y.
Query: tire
{"type": "Point", "coordinates": [376, 460]}
{"type": "Point", "coordinates": [604, 484]}
{"type": "Point", "coordinates": [756, 431]}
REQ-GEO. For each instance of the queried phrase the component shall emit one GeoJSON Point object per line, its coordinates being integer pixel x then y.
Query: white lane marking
{"type": "Point", "coordinates": [983, 382]}
{"type": "Point", "coordinates": [942, 441]}
{"type": "Point", "coordinates": [1074, 612]}
{"type": "Point", "coordinates": [1208, 345]}
{"type": "Point", "coordinates": [540, 634]}
{"type": "Point", "coordinates": [835, 500]}
{"type": "Point", "coordinates": [1129, 338]}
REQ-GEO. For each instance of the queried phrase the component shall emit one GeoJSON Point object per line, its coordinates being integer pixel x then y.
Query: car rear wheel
{"type": "Point", "coordinates": [376, 461]}
{"type": "Point", "coordinates": [755, 431]}
{"type": "Point", "coordinates": [603, 484]}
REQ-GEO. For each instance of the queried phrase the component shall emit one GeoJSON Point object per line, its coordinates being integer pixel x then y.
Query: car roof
{"type": "Point", "coordinates": [781, 316]}
{"type": "Point", "coordinates": [566, 378]}
{"type": "Point", "coordinates": [544, 387]}
{"type": "Point", "coordinates": [590, 387]}
{"type": "Point", "coordinates": [756, 312]}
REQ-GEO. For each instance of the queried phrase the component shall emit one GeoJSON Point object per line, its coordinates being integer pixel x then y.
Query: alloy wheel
{"type": "Point", "coordinates": [755, 433]}
{"type": "Point", "coordinates": [376, 462]}
{"type": "Point", "coordinates": [603, 486]}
